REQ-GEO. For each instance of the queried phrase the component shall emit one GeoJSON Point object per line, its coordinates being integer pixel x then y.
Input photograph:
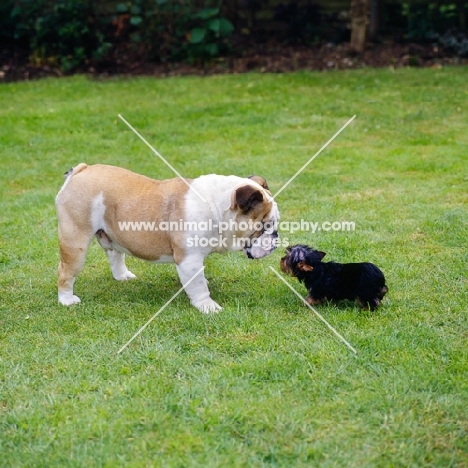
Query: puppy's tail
{"type": "Point", "coordinates": [74, 170]}
{"type": "Point", "coordinates": [69, 174]}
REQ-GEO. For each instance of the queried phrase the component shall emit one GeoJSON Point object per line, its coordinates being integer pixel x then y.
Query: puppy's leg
{"type": "Point", "coordinates": [368, 304]}
{"type": "Point", "coordinates": [312, 301]}
{"type": "Point", "coordinates": [197, 289]}
{"type": "Point", "coordinates": [73, 248]}
{"type": "Point", "coordinates": [119, 270]}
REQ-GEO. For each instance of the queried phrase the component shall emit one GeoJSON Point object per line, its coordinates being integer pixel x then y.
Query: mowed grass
{"type": "Point", "coordinates": [263, 383]}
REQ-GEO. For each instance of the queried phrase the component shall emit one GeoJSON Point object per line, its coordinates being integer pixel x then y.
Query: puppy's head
{"type": "Point", "coordinates": [300, 260]}
{"type": "Point", "coordinates": [256, 217]}
{"type": "Point", "coordinates": [260, 181]}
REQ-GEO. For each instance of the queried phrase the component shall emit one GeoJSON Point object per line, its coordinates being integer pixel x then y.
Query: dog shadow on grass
{"type": "Point", "coordinates": [155, 289]}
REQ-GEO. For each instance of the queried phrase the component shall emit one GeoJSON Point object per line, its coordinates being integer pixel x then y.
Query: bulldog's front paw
{"type": "Point", "coordinates": [208, 306]}
{"type": "Point", "coordinates": [125, 276]}
{"type": "Point", "coordinates": [68, 299]}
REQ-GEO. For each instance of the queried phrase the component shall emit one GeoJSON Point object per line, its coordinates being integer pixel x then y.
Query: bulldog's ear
{"type": "Point", "coordinates": [260, 181]}
{"type": "Point", "coordinates": [322, 254]}
{"type": "Point", "coordinates": [303, 266]}
{"type": "Point", "coordinates": [246, 198]}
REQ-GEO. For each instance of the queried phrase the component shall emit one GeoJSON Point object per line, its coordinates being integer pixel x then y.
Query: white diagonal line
{"type": "Point", "coordinates": [313, 310]}
{"type": "Point", "coordinates": [161, 157]}
{"type": "Point", "coordinates": [314, 156]}
{"type": "Point", "coordinates": [160, 310]}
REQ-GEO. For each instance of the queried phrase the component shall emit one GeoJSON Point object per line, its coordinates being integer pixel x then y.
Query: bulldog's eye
{"type": "Point", "coordinates": [268, 226]}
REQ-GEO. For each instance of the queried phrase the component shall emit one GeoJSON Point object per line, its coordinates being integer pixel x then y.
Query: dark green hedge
{"type": "Point", "coordinates": [69, 33]}
{"type": "Point", "coordinates": [73, 33]}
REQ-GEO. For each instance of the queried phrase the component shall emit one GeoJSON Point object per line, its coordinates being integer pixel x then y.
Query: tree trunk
{"type": "Point", "coordinates": [360, 10]}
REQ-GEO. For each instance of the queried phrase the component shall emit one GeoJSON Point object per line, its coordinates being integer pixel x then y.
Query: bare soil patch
{"type": "Point", "coordinates": [125, 59]}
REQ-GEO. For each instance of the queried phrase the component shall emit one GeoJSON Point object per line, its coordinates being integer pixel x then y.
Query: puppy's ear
{"type": "Point", "coordinates": [260, 181]}
{"type": "Point", "coordinates": [246, 198]}
{"type": "Point", "coordinates": [322, 254]}
{"type": "Point", "coordinates": [303, 266]}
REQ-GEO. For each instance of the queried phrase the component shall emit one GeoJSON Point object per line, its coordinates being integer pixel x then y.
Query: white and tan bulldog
{"type": "Point", "coordinates": [160, 221]}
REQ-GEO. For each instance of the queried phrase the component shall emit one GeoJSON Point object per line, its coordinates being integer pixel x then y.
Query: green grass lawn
{"type": "Point", "coordinates": [263, 383]}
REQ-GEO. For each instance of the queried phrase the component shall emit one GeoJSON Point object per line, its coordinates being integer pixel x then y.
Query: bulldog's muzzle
{"type": "Point", "coordinates": [262, 246]}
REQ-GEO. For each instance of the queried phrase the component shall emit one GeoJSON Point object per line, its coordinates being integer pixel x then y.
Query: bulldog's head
{"type": "Point", "coordinates": [256, 217]}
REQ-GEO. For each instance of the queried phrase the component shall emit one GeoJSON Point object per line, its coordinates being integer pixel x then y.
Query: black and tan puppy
{"type": "Point", "coordinates": [362, 282]}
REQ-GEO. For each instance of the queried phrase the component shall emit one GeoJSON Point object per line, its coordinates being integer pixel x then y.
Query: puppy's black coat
{"type": "Point", "coordinates": [362, 282]}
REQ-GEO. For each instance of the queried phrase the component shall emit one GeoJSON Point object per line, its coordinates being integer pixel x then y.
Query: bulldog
{"type": "Point", "coordinates": [179, 221]}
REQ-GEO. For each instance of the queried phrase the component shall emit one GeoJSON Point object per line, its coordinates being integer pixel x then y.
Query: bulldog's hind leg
{"type": "Point", "coordinates": [119, 270]}
{"type": "Point", "coordinates": [73, 248]}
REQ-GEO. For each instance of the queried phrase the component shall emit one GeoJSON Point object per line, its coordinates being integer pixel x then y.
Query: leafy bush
{"type": "Point", "coordinates": [427, 19]}
{"type": "Point", "coordinates": [208, 36]}
{"type": "Point", "coordinates": [303, 22]}
{"type": "Point", "coordinates": [65, 33]}
{"type": "Point", "coordinates": [456, 41]}
{"type": "Point", "coordinates": [17, 19]}
{"type": "Point", "coordinates": [7, 23]}
{"type": "Point", "coordinates": [68, 32]}
{"type": "Point", "coordinates": [178, 30]}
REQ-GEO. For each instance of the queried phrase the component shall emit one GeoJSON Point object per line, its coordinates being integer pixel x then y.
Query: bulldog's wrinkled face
{"type": "Point", "coordinates": [257, 218]}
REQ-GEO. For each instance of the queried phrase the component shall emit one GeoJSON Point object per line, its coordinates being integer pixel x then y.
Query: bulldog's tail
{"type": "Point", "coordinates": [70, 173]}
{"type": "Point", "coordinates": [74, 170]}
